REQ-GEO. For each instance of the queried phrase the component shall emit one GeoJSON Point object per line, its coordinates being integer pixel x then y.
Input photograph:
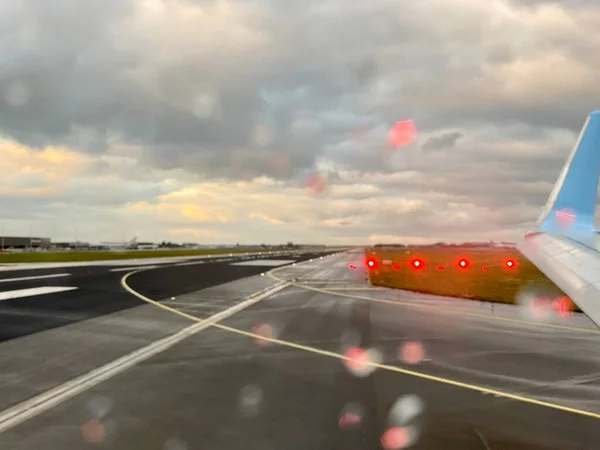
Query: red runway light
{"type": "Point", "coordinates": [371, 263]}
{"type": "Point", "coordinates": [440, 267]}
{"type": "Point", "coordinates": [463, 263]}
{"type": "Point", "coordinates": [510, 264]}
{"type": "Point", "coordinates": [484, 268]}
{"type": "Point", "coordinates": [396, 267]}
{"type": "Point", "coordinates": [352, 266]}
{"type": "Point", "coordinates": [416, 263]}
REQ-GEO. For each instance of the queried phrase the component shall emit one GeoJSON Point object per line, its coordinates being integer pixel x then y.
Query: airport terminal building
{"type": "Point", "coordinates": [16, 242]}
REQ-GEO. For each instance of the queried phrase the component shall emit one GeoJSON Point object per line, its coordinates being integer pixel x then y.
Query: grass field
{"type": "Point", "coordinates": [487, 276]}
{"type": "Point", "coordinates": [9, 258]}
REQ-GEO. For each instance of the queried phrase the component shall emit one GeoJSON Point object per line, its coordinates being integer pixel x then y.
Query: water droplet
{"type": "Point", "coordinates": [360, 362]}
{"type": "Point", "coordinates": [93, 431]}
{"type": "Point", "coordinates": [411, 353]}
{"type": "Point", "coordinates": [251, 397]}
{"type": "Point", "coordinates": [395, 438]}
{"type": "Point", "coordinates": [175, 444]}
{"type": "Point", "coordinates": [350, 338]}
{"type": "Point", "coordinates": [406, 408]}
{"type": "Point", "coordinates": [263, 331]}
{"type": "Point", "coordinates": [351, 415]}
{"type": "Point", "coordinates": [99, 407]}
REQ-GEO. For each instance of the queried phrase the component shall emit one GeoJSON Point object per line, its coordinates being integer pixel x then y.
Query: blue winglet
{"type": "Point", "coordinates": [571, 207]}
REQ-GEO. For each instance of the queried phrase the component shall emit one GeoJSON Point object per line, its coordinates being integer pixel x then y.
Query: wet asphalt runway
{"type": "Point", "coordinates": [222, 390]}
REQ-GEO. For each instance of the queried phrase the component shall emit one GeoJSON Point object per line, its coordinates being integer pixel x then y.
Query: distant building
{"type": "Point", "coordinates": [71, 245]}
{"type": "Point", "coordinates": [18, 242]}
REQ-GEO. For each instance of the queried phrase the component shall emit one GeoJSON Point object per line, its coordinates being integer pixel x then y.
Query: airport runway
{"type": "Point", "coordinates": [34, 300]}
{"type": "Point", "coordinates": [424, 372]}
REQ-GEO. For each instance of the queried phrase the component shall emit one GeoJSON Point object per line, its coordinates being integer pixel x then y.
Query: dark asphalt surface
{"type": "Point", "coordinates": [100, 292]}
{"type": "Point", "coordinates": [221, 390]}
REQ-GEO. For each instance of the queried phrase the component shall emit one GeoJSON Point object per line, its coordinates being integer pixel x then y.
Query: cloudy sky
{"type": "Point", "coordinates": [208, 120]}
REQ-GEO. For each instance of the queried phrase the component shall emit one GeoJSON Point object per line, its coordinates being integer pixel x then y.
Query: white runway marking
{"type": "Point", "coordinates": [265, 262]}
{"type": "Point", "coordinates": [39, 277]}
{"type": "Point", "coordinates": [128, 269]}
{"type": "Point", "coordinates": [19, 293]}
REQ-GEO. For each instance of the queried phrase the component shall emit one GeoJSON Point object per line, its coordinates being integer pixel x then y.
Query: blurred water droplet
{"type": "Point", "coordinates": [350, 338]}
{"type": "Point", "coordinates": [262, 136]}
{"type": "Point", "coordinates": [93, 431]}
{"type": "Point", "coordinates": [539, 306]}
{"type": "Point", "coordinates": [402, 133]}
{"type": "Point", "coordinates": [349, 420]}
{"type": "Point", "coordinates": [375, 356]}
{"type": "Point", "coordinates": [565, 218]}
{"type": "Point", "coordinates": [100, 406]}
{"type": "Point", "coordinates": [564, 306]}
{"type": "Point", "coordinates": [280, 164]}
{"type": "Point", "coordinates": [411, 353]}
{"type": "Point", "coordinates": [205, 103]}
{"type": "Point", "coordinates": [264, 331]}
{"type": "Point", "coordinates": [351, 415]}
{"type": "Point", "coordinates": [406, 408]}
{"type": "Point", "coordinates": [395, 438]}
{"type": "Point", "coordinates": [251, 397]}
{"type": "Point", "coordinates": [360, 362]}
{"type": "Point", "coordinates": [316, 185]}
{"type": "Point", "coordinates": [405, 418]}
{"type": "Point", "coordinates": [175, 444]}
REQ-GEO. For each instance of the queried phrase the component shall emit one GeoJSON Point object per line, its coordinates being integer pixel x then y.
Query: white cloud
{"type": "Point", "coordinates": [193, 120]}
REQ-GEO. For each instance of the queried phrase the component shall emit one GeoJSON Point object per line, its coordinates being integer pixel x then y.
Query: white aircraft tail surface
{"type": "Point", "coordinates": [565, 246]}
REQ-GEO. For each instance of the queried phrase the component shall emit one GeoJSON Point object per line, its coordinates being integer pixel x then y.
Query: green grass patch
{"type": "Point", "coordinates": [486, 277]}
{"type": "Point", "coordinates": [9, 258]}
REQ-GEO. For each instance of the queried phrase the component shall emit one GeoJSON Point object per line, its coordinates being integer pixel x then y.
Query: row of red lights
{"type": "Point", "coordinates": [418, 264]}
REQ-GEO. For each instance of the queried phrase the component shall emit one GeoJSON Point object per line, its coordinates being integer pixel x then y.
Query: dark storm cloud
{"type": "Point", "coordinates": [562, 116]}
{"type": "Point", "coordinates": [443, 141]}
{"type": "Point", "coordinates": [74, 81]}
{"type": "Point", "coordinates": [65, 82]}
{"type": "Point", "coordinates": [60, 68]}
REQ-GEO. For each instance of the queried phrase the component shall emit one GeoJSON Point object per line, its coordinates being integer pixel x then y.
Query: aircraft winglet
{"type": "Point", "coordinates": [565, 247]}
{"type": "Point", "coordinates": [571, 206]}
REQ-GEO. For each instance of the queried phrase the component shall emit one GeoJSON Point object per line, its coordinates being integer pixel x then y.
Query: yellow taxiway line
{"type": "Point", "coordinates": [340, 356]}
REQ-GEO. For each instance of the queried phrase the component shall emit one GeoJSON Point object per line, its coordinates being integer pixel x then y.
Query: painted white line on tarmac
{"type": "Point", "coordinates": [19, 293]}
{"type": "Point", "coordinates": [39, 277]}
{"type": "Point", "coordinates": [129, 269]}
{"type": "Point", "coordinates": [265, 262]}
